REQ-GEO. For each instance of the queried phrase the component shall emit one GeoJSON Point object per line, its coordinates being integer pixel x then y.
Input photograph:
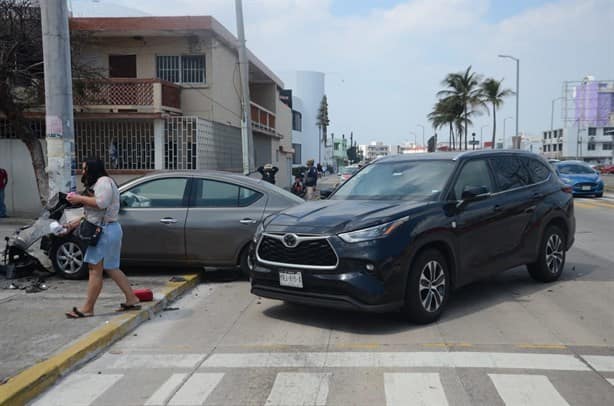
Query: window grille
{"type": "Point", "coordinates": [180, 143]}
{"type": "Point", "coordinates": [181, 69]}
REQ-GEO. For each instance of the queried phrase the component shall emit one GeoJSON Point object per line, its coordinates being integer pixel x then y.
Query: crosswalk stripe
{"type": "Point", "coordinates": [602, 363]}
{"type": "Point", "coordinates": [299, 388]}
{"type": "Point", "coordinates": [413, 389]}
{"type": "Point", "coordinates": [164, 392]}
{"type": "Point", "coordinates": [558, 362]}
{"type": "Point", "coordinates": [136, 361]}
{"type": "Point", "coordinates": [78, 390]}
{"type": "Point", "coordinates": [196, 389]}
{"type": "Point", "coordinates": [527, 390]}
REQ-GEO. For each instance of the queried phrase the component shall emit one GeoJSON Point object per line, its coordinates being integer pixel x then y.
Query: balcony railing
{"type": "Point", "coordinates": [141, 95]}
{"type": "Point", "coordinates": [262, 119]}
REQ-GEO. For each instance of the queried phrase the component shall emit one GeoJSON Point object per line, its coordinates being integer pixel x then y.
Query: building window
{"type": "Point", "coordinates": [591, 146]}
{"type": "Point", "coordinates": [607, 146]}
{"type": "Point", "coordinates": [181, 69]}
{"type": "Point", "coordinates": [297, 121]}
{"type": "Point", "coordinates": [592, 131]}
{"type": "Point", "coordinates": [608, 131]}
{"type": "Point", "coordinates": [296, 160]}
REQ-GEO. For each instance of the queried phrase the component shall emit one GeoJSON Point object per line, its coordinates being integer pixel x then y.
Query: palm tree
{"type": "Point", "coordinates": [447, 112]}
{"type": "Point", "coordinates": [493, 93]}
{"type": "Point", "coordinates": [465, 87]}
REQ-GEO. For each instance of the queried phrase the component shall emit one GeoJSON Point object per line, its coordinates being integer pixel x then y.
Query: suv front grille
{"type": "Point", "coordinates": [312, 252]}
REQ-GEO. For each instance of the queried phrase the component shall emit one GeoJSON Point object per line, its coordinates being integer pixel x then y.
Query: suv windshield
{"type": "Point", "coordinates": [572, 169]}
{"type": "Point", "coordinates": [409, 180]}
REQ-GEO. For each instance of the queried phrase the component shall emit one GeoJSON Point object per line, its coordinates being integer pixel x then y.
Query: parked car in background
{"type": "Point", "coordinates": [584, 180]}
{"type": "Point", "coordinates": [183, 218]}
{"type": "Point", "coordinates": [348, 172]}
{"type": "Point", "coordinates": [606, 169]}
{"type": "Point", "coordinates": [406, 230]}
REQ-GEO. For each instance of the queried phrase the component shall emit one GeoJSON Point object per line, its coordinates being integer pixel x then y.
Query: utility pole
{"type": "Point", "coordinates": [517, 87]}
{"type": "Point", "coordinates": [247, 140]}
{"type": "Point", "coordinates": [60, 136]}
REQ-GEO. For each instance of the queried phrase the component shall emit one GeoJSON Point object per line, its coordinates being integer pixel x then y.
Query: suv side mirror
{"type": "Point", "coordinates": [474, 193]}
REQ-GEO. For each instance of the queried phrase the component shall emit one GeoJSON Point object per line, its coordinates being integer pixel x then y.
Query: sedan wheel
{"type": "Point", "coordinates": [68, 258]}
{"type": "Point", "coordinates": [428, 287]}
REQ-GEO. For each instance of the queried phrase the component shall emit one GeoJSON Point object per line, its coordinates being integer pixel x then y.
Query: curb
{"type": "Point", "coordinates": [26, 385]}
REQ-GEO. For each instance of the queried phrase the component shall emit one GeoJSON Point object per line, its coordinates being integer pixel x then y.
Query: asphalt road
{"type": "Point", "coordinates": [507, 340]}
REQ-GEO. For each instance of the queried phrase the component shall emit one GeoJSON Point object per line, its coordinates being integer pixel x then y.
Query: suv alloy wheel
{"type": "Point", "coordinates": [551, 260]}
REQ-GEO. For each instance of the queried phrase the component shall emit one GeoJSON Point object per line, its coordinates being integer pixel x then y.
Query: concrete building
{"type": "Point", "coordinates": [168, 98]}
{"type": "Point", "coordinates": [409, 148]}
{"type": "Point", "coordinates": [593, 145]}
{"type": "Point", "coordinates": [307, 92]}
{"type": "Point", "coordinates": [375, 149]}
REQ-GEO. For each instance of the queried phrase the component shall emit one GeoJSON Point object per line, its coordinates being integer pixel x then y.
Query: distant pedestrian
{"type": "Point", "coordinates": [4, 179]}
{"type": "Point", "coordinates": [311, 180]}
{"type": "Point", "coordinates": [102, 209]}
{"type": "Point", "coordinates": [268, 172]}
{"type": "Point", "coordinates": [298, 187]}
{"type": "Point", "coordinates": [320, 170]}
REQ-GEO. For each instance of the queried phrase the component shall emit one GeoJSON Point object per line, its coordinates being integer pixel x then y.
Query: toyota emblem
{"type": "Point", "coordinates": [290, 240]}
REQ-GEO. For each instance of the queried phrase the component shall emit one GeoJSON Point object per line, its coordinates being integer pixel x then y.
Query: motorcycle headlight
{"type": "Point", "coordinates": [372, 233]}
{"type": "Point", "coordinates": [258, 233]}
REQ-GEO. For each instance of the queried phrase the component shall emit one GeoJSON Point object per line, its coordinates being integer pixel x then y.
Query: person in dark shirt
{"type": "Point", "coordinates": [4, 179]}
{"type": "Point", "coordinates": [311, 180]}
{"type": "Point", "coordinates": [268, 172]}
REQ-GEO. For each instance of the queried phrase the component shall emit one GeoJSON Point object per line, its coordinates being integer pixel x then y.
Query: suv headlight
{"type": "Point", "coordinates": [258, 233]}
{"type": "Point", "coordinates": [372, 233]}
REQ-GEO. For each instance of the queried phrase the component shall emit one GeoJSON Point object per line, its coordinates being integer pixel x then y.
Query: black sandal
{"type": "Point", "coordinates": [123, 307]}
{"type": "Point", "coordinates": [77, 314]}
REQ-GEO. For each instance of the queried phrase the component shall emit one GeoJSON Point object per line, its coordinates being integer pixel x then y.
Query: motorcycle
{"type": "Point", "coordinates": [17, 257]}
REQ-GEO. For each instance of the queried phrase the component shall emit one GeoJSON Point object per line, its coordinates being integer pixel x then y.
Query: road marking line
{"type": "Point", "coordinates": [196, 390]}
{"type": "Point", "coordinates": [602, 363]}
{"type": "Point", "coordinates": [166, 391]}
{"type": "Point", "coordinates": [299, 388]}
{"type": "Point", "coordinates": [465, 359]}
{"type": "Point", "coordinates": [543, 346]}
{"type": "Point", "coordinates": [611, 381]}
{"type": "Point", "coordinates": [594, 205]}
{"type": "Point", "coordinates": [149, 361]}
{"type": "Point", "coordinates": [414, 389]}
{"type": "Point", "coordinates": [447, 345]}
{"type": "Point", "coordinates": [78, 390]}
{"type": "Point", "coordinates": [527, 390]}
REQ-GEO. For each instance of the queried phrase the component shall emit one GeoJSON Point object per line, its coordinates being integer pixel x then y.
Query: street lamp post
{"type": "Point", "coordinates": [517, 84]}
{"type": "Point", "coordinates": [504, 121]}
{"type": "Point", "coordinates": [420, 125]}
{"type": "Point", "coordinates": [611, 132]}
{"type": "Point", "coordinates": [579, 142]}
{"type": "Point", "coordinates": [481, 133]}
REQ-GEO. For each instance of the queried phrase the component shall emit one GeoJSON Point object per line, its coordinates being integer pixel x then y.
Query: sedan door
{"type": "Point", "coordinates": [222, 219]}
{"type": "Point", "coordinates": [153, 215]}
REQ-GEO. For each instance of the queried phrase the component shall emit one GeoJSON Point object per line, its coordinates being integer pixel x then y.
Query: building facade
{"type": "Point", "coordinates": [376, 149]}
{"type": "Point", "coordinates": [308, 89]}
{"type": "Point", "coordinates": [593, 144]}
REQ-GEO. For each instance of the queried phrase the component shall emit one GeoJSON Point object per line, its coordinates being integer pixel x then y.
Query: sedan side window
{"type": "Point", "coordinates": [510, 172]}
{"type": "Point", "coordinates": [159, 193]}
{"type": "Point", "coordinates": [474, 174]}
{"type": "Point", "coordinates": [539, 171]}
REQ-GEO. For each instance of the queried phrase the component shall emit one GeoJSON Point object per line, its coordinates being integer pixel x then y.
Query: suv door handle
{"type": "Point", "coordinates": [536, 196]}
{"type": "Point", "coordinates": [168, 220]}
{"type": "Point", "coordinates": [497, 208]}
{"type": "Point", "coordinates": [247, 221]}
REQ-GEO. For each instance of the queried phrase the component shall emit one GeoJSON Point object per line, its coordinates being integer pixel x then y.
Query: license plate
{"type": "Point", "coordinates": [291, 279]}
{"type": "Point", "coordinates": [586, 188]}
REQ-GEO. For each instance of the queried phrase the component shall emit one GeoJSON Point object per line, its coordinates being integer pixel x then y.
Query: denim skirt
{"type": "Point", "coordinates": [108, 249]}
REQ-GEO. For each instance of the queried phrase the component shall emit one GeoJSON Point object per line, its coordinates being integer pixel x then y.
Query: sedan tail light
{"type": "Point", "coordinates": [567, 189]}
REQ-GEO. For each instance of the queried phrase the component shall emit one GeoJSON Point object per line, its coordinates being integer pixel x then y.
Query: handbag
{"type": "Point", "coordinates": [89, 232]}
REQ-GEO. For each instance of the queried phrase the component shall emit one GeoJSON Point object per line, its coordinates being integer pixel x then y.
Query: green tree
{"type": "Point", "coordinates": [446, 113]}
{"type": "Point", "coordinates": [494, 93]}
{"type": "Point", "coordinates": [465, 86]}
{"type": "Point", "coordinates": [22, 76]}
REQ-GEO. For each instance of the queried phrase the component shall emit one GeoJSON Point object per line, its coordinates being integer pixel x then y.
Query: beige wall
{"type": "Point", "coordinates": [196, 99]}
{"type": "Point", "coordinates": [264, 95]}
{"type": "Point", "coordinates": [21, 193]}
{"type": "Point", "coordinates": [284, 128]}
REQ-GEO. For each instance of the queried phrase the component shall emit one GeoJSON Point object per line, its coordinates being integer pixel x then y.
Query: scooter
{"type": "Point", "coordinates": [18, 262]}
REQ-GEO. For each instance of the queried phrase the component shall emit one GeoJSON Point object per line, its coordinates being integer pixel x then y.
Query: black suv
{"type": "Point", "coordinates": [406, 230]}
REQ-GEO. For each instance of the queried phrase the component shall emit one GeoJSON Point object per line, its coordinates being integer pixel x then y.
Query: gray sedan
{"type": "Point", "coordinates": [184, 218]}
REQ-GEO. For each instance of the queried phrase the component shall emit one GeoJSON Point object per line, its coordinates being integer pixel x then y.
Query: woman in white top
{"type": "Point", "coordinates": [101, 207]}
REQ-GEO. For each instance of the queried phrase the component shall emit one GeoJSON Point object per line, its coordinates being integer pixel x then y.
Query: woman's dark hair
{"type": "Point", "coordinates": [94, 170]}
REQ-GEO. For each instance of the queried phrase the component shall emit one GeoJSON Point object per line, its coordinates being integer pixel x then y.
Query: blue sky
{"type": "Point", "coordinates": [389, 56]}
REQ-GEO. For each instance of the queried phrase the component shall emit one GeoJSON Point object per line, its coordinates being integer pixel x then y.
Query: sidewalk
{"type": "Point", "coordinates": [38, 343]}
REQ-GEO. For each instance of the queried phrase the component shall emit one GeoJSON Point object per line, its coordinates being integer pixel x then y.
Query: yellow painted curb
{"type": "Point", "coordinates": [29, 383]}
